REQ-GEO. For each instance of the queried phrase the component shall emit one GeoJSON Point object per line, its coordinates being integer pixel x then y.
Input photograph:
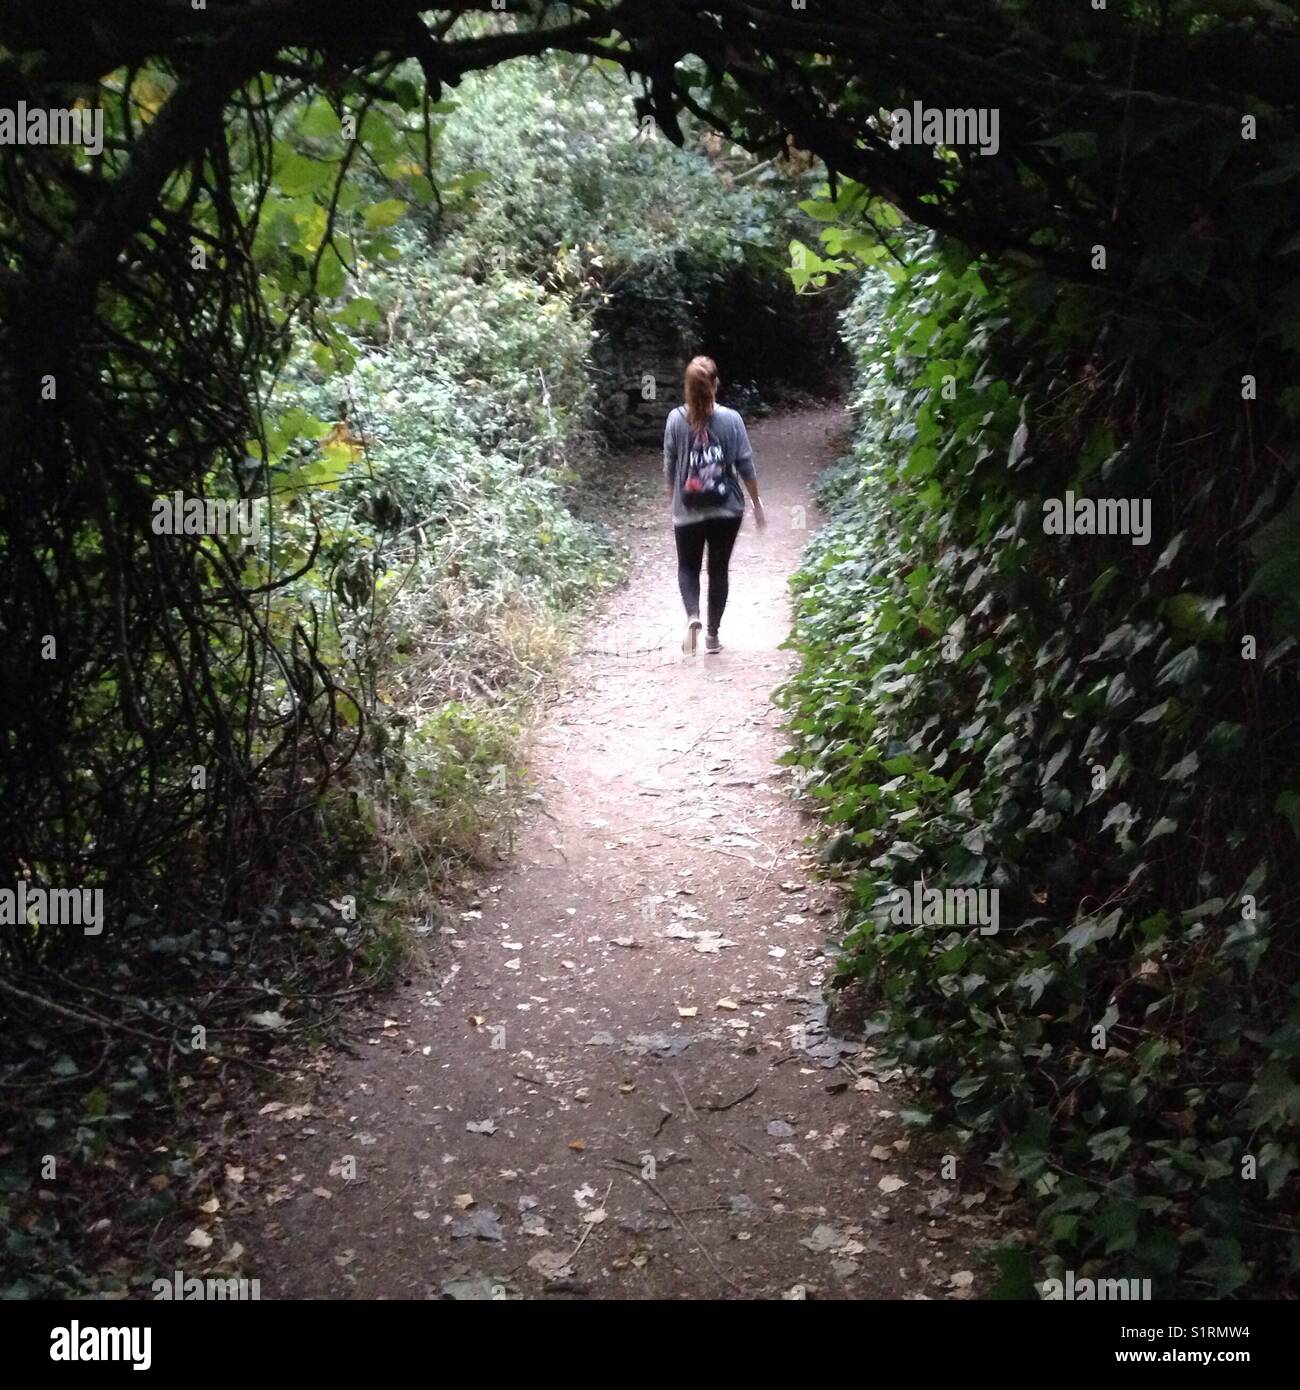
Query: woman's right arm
{"type": "Point", "coordinates": [745, 470]}
{"type": "Point", "coordinates": [760, 516]}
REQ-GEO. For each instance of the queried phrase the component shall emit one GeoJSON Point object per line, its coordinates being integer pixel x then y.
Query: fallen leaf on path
{"type": "Point", "coordinates": [824, 1238]}
{"type": "Point", "coordinates": [481, 1126]}
{"type": "Point", "coordinates": [689, 1012]}
{"type": "Point", "coordinates": [709, 943]}
{"type": "Point", "coordinates": [728, 1004]}
{"type": "Point", "coordinates": [891, 1184]}
{"type": "Point", "coordinates": [551, 1265]}
{"type": "Point", "coordinates": [463, 1200]}
{"type": "Point", "coordinates": [483, 1224]}
{"type": "Point", "coordinates": [577, 1145]}
{"type": "Point", "coordinates": [199, 1239]}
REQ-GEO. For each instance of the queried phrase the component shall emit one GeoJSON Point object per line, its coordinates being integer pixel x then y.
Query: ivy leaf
{"type": "Point", "coordinates": [1275, 1096]}
{"type": "Point", "coordinates": [1090, 931]}
{"type": "Point", "coordinates": [1183, 768]}
{"type": "Point", "coordinates": [1035, 981]}
{"type": "Point", "coordinates": [1194, 613]}
{"type": "Point", "coordinates": [1168, 554]}
{"type": "Point", "coordinates": [1179, 669]}
{"type": "Point", "coordinates": [1223, 1267]}
{"type": "Point", "coordinates": [1019, 442]}
{"type": "Point", "coordinates": [1119, 692]}
{"type": "Point", "coordinates": [1107, 1146]}
{"type": "Point", "coordinates": [1164, 826]}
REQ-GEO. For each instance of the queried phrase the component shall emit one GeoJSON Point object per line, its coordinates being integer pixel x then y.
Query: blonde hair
{"type": "Point", "coordinates": [701, 391]}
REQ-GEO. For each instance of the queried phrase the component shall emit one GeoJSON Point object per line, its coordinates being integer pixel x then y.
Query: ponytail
{"type": "Point", "coordinates": [701, 391]}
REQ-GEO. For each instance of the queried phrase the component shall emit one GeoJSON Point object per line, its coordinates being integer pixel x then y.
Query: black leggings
{"type": "Point", "coordinates": [720, 533]}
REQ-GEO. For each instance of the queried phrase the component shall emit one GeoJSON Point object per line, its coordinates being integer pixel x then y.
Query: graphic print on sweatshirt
{"type": "Point", "coordinates": [706, 472]}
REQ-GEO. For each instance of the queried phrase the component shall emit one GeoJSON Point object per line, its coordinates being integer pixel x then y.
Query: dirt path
{"type": "Point", "coordinates": [618, 1053]}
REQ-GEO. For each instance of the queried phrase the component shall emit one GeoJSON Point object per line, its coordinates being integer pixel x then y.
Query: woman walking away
{"type": "Point", "coordinates": [706, 458]}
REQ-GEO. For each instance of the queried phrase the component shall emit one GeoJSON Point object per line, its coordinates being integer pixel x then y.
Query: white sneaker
{"type": "Point", "coordinates": [692, 634]}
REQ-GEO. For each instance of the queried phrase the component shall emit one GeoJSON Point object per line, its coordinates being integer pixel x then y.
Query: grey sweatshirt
{"type": "Point", "coordinates": [727, 430]}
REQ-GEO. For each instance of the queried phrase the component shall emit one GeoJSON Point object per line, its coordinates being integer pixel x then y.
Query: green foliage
{"type": "Point", "coordinates": [1069, 720]}
{"type": "Point", "coordinates": [572, 181]}
{"type": "Point", "coordinates": [466, 348]}
{"type": "Point", "coordinates": [409, 399]}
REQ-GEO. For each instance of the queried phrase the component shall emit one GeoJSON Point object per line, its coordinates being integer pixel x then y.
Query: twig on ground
{"type": "Point", "coordinates": [591, 1225]}
{"type": "Point", "coordinates": [731, 1104]}
{"type": "Point", "coordinates": [672, 1211]}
